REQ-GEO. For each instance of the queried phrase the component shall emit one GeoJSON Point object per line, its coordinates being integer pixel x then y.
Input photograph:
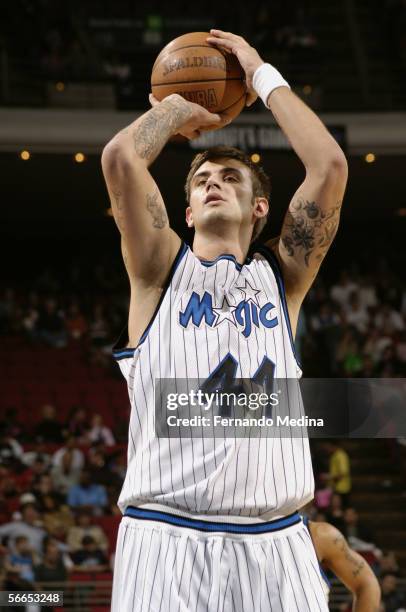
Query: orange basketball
{"type": "Point", "coordinates": [201, 73]}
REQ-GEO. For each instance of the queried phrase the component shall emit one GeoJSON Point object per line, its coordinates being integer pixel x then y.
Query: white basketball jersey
{"type": "Point", "coordinates": [211, 312]}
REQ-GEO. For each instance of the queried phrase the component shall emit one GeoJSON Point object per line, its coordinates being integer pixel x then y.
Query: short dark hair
{"type": "Point", "coordinates": [261, 184]}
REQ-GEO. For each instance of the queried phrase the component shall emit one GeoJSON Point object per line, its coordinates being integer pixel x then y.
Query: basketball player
{"type": "Point", "coordinates": [208, 524]}
{"type": "Point", "coordinates": [335, 555]}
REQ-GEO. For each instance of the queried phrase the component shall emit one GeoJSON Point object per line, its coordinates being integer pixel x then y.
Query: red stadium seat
{"type": "Point", "coordinates": [81, 577]}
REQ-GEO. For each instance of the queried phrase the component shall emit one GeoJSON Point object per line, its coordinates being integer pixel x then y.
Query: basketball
{"type": "Point", "coordinates": [201, 73]}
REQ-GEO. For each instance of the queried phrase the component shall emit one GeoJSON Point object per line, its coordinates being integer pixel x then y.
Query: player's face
{"type": "Point", "coordinates": [220, 190]}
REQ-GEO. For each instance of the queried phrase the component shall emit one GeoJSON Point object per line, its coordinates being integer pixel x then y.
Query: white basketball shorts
{"type": "Point", "coordinates": [169, 562]}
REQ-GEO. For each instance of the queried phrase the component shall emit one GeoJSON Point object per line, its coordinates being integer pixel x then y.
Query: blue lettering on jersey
{"type": "Point", "coordinates": [243, 316]}
{"type": "Point", "coordinates": [197, 309]}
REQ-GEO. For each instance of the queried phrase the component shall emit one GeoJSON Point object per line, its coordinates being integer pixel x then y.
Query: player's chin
{"type": "Point", "coordinates": [216, 215]}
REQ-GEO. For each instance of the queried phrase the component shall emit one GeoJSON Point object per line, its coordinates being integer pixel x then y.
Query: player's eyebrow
{"type": "Point", "coordinates": [231, 169]}
{"type": "Point", "coordinates": [227, 170]}
{"type": "Point", "coordinates": [201, 174]}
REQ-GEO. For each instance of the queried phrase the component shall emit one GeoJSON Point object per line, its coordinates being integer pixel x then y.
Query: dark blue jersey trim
{"type": "Point", "coordinates": [211, 526]}
{"type": "Point", "coordinates": [227, 256]}
{"type": "Point", "coordinates": [128, 352]}
{"type": "Point", "coordinates": [274, 263]}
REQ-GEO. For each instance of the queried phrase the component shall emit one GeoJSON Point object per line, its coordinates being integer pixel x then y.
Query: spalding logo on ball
{"type": "Point", "coordinates": [201, 73]}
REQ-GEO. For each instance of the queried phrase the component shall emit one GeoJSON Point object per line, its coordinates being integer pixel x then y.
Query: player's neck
{"type": "Point", "coordinates": [209, 248]}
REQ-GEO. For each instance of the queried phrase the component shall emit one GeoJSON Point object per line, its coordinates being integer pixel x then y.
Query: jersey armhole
{"type": "Point", "coordinates": [126, 352]}
{"type": "Point", "coordinates": [271, 258]}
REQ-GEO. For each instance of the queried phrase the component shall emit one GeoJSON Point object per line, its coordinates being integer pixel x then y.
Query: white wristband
{"type": "Point", "coordinates": [266, 79]}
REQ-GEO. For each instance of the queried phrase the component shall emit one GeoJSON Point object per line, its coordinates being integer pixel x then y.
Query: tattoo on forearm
{"type": "Point", "coordinates": [309, 230]}
{"type": "Point", "coordinates": [158, 125]}
{"type": "Point", "coordinates": [157, 210]}
{"type": "Point", "coordinates": [357, 565]}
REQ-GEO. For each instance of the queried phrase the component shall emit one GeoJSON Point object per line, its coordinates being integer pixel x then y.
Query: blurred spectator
{"type": "Point", "coordinates": [341, 291]}
{"type": "Point", "coordinates": [368, 369]}
{"type": "Point", "coordinates": [87, 494]}
{"type": "Point", "coordinates": [388, 564]}
{"type": "Point", "coordinates": [10, 488]}
{"type": "Point", "coordinates": [388, 366]}
{"type": "Point", "coordinates": [69, 450]}
{"type": "Point", "coordinates": [367, 293]}
{"type": "Point", "coordinates": [50, 326]}
{"type": "Point", "coordinates": [11, 452]}
{"type": "Point", "coordinates": [89, 558]}
{"type": "Point", "coordinates": [44, 487]}
{"type": "Point", "coordinates": [38, 454]}
{"type": "Point", "coordinates": [335, 513]}
{"type": "Point", "coordinates": [352, 529]}
{"type": "Point", "coordinates": [348, 354]}
{"type": "Point", "coordinates": [339, 470]}
{"type": "Point", "coordinates": [98, 432]}
{"type": "Point", "coordinates": [99, 468]}
{"type": "Point", "coordinates": [15, 428]}
{"type": "Point", "coordinates": [99, 327]}
{"type": "Point", "coordinates": [375, 344]}
{"type": "Point", "coordinates": [326, 327]}
{"type": "Point", "coordinates": [29, 323]}
{"type": "Point", "coordinates": [23, 558]}
{"type": "Point", "coordinates": [388, 320]}
{"type": "Point", "coordinates": [38, 467]}
{"type": "Point", "coordinates": [57, 517]}
{"type": "Point", "coordinates": [392, 598]}
{"type": "Point", "coordinates": [52, 568]}
{"type": "Point", "coordinates": [76, 324]}
{"type": "Point", "coordinates": [356, 314]}
{"type": "Point", "coordinates": [49, 428]}
{"type": "Point", "coordinates": [77, 423]}
{"type": "Point", "coordinates": [85, 526]}
{"type": "Point", "coordinates": [67, 464]}
{"type": "Point", "coordinates": [27, 526]}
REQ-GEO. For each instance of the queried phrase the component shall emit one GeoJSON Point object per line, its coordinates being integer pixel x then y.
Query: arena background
{"type": "Point", "coordinates": [71, 74]}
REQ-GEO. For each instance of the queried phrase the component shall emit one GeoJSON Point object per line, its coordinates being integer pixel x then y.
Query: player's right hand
{"type": "Point", "coordinates": [199, 119]}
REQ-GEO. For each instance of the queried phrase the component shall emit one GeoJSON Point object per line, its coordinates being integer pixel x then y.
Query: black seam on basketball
{"type": "Point", "coordinates": [236, 102]}
{"type": "Point", "coordinates": [197, 81]}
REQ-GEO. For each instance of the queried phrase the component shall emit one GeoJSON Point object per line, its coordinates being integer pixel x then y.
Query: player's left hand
{"type": "Point", "coordinates": [248, 57]}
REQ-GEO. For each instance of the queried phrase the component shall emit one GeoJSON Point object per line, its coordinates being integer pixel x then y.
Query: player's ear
{"type": "Point", "coordinates": [261, 207]}
{"type": "Point", "coordinates": [189, 217]}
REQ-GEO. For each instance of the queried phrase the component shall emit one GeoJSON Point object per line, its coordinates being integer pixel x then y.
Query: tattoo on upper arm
{"type": "Point", "coordinates": [157, 126]}
{"type": "Point", "coordinates": [117, 206]}
{"type": "Point", "coordinates": [157, 210]}
{"type": "Point", "coordinates": [357, 566]}
{"type": "Point", "coordinates": [309, 229]}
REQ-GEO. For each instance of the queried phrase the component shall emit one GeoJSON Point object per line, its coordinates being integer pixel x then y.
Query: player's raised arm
{"type": "Point", "coordinates": [149, 245]}
{"type": "Point", "coordinates": [333, 550]}
{"type": "Point", "coordinates": [312, 218]}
